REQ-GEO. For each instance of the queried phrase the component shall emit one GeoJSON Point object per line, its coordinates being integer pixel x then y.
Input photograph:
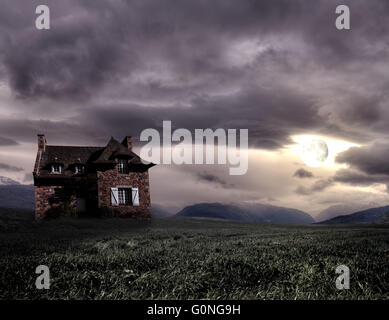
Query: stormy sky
{"type": "Point", "coordinates": [277, 68]}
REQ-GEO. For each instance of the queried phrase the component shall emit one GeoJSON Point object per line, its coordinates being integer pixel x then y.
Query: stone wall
{"type": "Point", "coordinates": [111, 178]}
{"type": "Point", "coordinates": [43, 194]}
{"type": "Point", "coordinates": [106, 179]}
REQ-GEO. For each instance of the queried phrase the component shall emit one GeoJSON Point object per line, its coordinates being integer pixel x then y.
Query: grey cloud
{"type": "Point", "coordinates": [355, 177]}
{"type": "Point", "coordinates": [265, 113]}
{"type": "Point", "coordinates": [371, 159]}
{"type": "Point", "coordinates": [70, 132]}
{"type": "Point", "coordinates": [28, 177]}
{"type": "Point", "coordinates": [7, 167]}
{"type": "Point", "coordinates": [98, 42]}
{"type": "Point", "coordinates": [211, 178]}
{"type": "Point", "coordinates": [7, 142]}
{"type": "Point", "coordinates": [176, 59]}
{"type": "Point", "coordinates": [318, 186]}
{"type": "Point", "coordinates": [302, 173]}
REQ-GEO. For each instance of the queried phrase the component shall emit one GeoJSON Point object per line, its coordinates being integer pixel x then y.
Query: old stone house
{"type": "Point", "coordinates": [89, 179]}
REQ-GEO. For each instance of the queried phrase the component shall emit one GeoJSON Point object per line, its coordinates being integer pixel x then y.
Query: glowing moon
{"type": "Point", "coordinates": [314, 153]}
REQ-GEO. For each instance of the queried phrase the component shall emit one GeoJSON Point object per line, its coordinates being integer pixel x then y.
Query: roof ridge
{"type": "Point", "coordinates": [50, 145]}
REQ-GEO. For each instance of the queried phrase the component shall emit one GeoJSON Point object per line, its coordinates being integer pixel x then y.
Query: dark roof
{"type": "Point", "coordinates": [112, 149]}
{"type": "Point", "coordinates": [68, 156]}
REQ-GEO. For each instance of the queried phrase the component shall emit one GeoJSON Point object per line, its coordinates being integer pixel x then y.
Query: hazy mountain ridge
{"type": "Point", "coordinates": [258, 213]}
{"type": "Point", "coordinates": [341, 210]}
{"type": "Point", "coordinates": [372, 215]}
{"type": "Point", "coordinates": [5, 181]}
{"type": "Point", "coordinates": [17, 196]}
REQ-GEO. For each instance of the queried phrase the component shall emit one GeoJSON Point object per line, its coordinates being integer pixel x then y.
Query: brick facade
{"type": "Point", "coordinates": [111, 178]}
{"type": "Point", "coordinates": [43, 194]}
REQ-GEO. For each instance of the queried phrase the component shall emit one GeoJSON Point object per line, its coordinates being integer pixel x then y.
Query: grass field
{"type": "Point", "coordinates": [190, 259]}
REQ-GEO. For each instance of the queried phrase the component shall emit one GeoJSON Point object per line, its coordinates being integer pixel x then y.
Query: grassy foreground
{"type": "Point", "coordinates": [190, 259]}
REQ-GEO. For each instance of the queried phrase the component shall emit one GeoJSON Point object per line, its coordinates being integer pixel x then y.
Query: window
{"type": "Point", "coordinates": [122, 166]}
{"type": "Point", "coordinates": [56, 168]}
{"type": "Point", "coordinates": [124, 195]}
{"type": "Point", "coordinates": [78, 169]}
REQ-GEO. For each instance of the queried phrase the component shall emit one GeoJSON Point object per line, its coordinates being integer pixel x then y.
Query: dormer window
{"type": "Point", "coordinates": [56, 168]}
{"type": "Point", "coordinates": [79, 169]}
{"type": "Point", "coordinates": [122, 166]}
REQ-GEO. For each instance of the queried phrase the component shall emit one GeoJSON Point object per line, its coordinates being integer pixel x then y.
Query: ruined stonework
{"type": "Point", "coordinates": [88, 179]}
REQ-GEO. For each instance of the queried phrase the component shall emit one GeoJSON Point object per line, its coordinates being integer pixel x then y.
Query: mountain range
{"type": "Point", "coordinates": [342, 209]}
{"type": "Point", "coordinates": [5, 181]}
{"type": "Point", "coordinates": [259, 213]}
{"type": "Point", "coordinates": [18, 196]}
{"type": "Point", "coordinates": [373, 215]}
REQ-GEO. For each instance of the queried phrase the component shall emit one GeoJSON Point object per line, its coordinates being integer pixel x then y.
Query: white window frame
{"type": "Point", "coordinates": [135, 197]}
{"type": "Point", "coordinates": [53, 166]}
{"type": "Point", "coordinates": [117, 196]}
{"type": "Point", "coordinates": [114, 197]}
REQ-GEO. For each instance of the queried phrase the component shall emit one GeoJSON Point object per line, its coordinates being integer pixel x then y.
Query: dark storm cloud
{"type": "Point", "coordinates": [354, 177]}
{"type": "Point", "coordinates": [190, 62]}
{"type": "Point", "coordinates": [7, 167]}
{"type": "Point", "coordinates": [302, 173]}
{"type": "Point", "coordinates": [263, 113]}
{"type": "Point", "coordinates": [368, 165]}
{"type": "Point", "coordinates": [67, 61]}
{"type": "Point", "coordinates": [68, 132]}
{"type": "Point", "coordinates": [103, 40]}
{"type": "Point", "coordinates": [372, 159]}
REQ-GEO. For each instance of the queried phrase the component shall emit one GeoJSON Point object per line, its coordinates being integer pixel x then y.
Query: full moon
{"type": "Point", "coordinates": [314, 153]}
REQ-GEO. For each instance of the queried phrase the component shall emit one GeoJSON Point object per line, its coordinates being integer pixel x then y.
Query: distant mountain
{"type": "Point", "coordinates": [17, 196]}
{"type": "Point", "coordinates": [259, 213]}
{"type": "Point", "coordinates": [373, 215]}
{"type": "Point", "coordinates": [5, 181]}
{"type": "Point", "coordinates": [337, 210]}
{"type": "Point", "coordinates": [159, 212]}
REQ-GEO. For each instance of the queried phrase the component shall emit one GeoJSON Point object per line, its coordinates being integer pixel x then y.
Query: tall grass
{"type": "Point", "coordinates": [191, 259]}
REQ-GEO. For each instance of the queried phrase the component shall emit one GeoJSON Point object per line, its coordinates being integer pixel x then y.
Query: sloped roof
{"type": "Point", "coordinates": [112, 149]}
{"type": "Point", "coordinates": [71, 155]}
{"type": "Point", "coordinates": [68, 155]}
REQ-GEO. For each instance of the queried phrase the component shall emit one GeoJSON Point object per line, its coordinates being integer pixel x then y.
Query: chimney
{"type": "Point", "coordinates": [127, 141]}
{"type": "Point", "coordinates": [41, 142]}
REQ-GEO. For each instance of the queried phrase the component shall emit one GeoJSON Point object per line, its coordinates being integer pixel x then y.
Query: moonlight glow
{"type": "Point", "coordinates": [303, 149]}
{"type": "Point", "coordinates": [314, 153]}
